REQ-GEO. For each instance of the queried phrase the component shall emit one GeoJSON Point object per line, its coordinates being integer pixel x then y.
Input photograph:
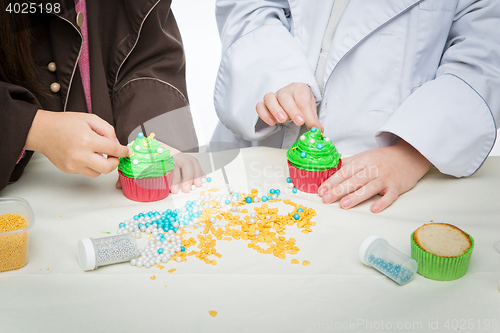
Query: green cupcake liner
{"type": "Point", "coordinates": [439, 268]}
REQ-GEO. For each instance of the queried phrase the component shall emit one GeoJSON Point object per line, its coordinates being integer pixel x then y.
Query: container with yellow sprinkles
{"type": "Point", "coordinates": [16, 220]}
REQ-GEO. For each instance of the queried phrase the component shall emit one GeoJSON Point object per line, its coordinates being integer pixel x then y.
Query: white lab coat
{"type": "Point", "coordinates": [426, 71]}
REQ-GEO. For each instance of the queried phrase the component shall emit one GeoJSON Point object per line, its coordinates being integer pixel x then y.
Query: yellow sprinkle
{"type": "Point", "coordinates": [151, 136]}
{"type": "Point", "coordinates": [305, 263]}
{"type": "Point", "coordinates": [212, 313]}
{"type": "Point", "coordinates": [153, 277]}
{"type": "Point", "coordinates": [160, 267]}
{"type": "Point", "coordinates": [172, 270]}
{"type": "Point", "coordinates": [295, 261]}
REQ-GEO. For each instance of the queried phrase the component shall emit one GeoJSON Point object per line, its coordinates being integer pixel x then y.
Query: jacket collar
{"type": "Point", "coordinates": [361, 19]}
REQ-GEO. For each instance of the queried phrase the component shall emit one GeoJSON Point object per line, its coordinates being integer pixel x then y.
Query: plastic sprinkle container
{"type": "Point", "coordinates": [377, 253]}
{"type": "Point", "coordinates": [93, 253]}
{"type": "Point", "coordinates": [14, 243]}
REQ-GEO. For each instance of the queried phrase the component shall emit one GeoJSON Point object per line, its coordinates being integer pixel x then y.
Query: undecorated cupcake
{"type": "Point", "coordinates": [147, 173]}
{"type": "Point", "coordinates": [311, 160]}
{"type": "Point", "coordinates": [442, 251]}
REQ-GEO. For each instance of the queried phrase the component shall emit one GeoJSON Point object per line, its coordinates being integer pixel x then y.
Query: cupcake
{"type": "Point", "coordinates": [441, 250]}
{"type": "Point", "coordinates": [311, 160]}
{"type": "Point", "coordinates": [147, 173]}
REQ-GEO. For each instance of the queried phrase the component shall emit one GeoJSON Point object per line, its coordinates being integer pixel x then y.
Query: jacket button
{"type": "Point", "coordinates": [52, 66]}
{"type": "Point", "coordinates": [55, 87]}
{"type": "Point", "coordinates": [79, 19]}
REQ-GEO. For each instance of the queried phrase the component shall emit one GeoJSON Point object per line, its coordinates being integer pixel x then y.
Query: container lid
{"type": "Point", "coordinates": [365, 245]}
{"type": "Point", "coordinates": [86, 254]}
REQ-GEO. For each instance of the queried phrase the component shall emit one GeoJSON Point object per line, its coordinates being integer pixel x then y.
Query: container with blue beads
{"type": "Point", "coordinates": [377, 253]}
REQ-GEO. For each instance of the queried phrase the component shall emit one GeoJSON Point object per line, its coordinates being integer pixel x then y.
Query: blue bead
{"type": "Point", "coordinates": [140, 225]}
{"type": "Point", "coordinates": [209, 179]}
{"type": "Point", "coordinates": [175, 229]}
{"type": "Point", "coordinates": [136, 217]}
{"type": "Point", "coordinates": [319, 146]}
{"type": "Point", "coordinates": [177, 211]}
{"type": "Point", "coordinates": [148, 224]}
{"type": "Point", "coordinates": [140, 135]}
{"type": "Point", "coordinates": [300, 210]}
{"type": "Point", "coordinates": [303, 154]}
{"type": "Point", "coordinates": [248, 199]}
{"type": "Point", "coordinates": [228, 202]}
{"type": "Point", "coordinates": [272, 191]}
{"type": "Point", "coordinates": [294, 190]}
{"type": "Point", "coordinates": [289, 180]}
{"type": "Point", "coordinates": [277, 192]}
{"type": "Point", "coordinates": [160, 250]}
{"type": "Point", "coordinates": [121, 225]}
{"type": "Point", "coordinates": [313, 129]}
{"type": "Point", "coordinates": [183, 248]}
{"type": "Point", "coordinates": [264, 198]}
{"type": "Point", "coordinates": [141, 215]}
{"type": "Point", "coordinates": [269, 197]}
{"type": "Point", "coordinates": [296, 216]}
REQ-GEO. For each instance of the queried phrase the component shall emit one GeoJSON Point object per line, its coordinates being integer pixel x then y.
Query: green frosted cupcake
{"type": "Point", "coordinates": [442, 251]}
{"type": "Point", "coordinates": [311, 160]}
{"type": "Point", "coordinates": [146, 174]}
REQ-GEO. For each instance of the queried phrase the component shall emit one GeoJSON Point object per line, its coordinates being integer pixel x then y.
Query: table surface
{"type": "Point", "coordinates": [251, 292]}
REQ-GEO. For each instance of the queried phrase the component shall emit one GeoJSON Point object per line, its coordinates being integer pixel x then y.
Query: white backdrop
{"type": "Point", "coordinates": [196, 19]}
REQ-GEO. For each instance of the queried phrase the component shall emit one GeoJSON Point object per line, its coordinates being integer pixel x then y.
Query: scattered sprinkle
{"type": "Point", "coordinates": [212, 313]}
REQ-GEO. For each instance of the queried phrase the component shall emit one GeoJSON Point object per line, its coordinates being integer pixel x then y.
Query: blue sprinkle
{"type": "Point", "coordinates": [140, 135]}
{"type": "Point", "coordinates": [148, 224]}
{"type": "Point", "coordinates": [160, 250]}
{"type": "Point", "coordinates": [313, 129]}
{"type": "Point", "coordinates": [141, 215]}
{"type": "Point", "coordinates": [296, 216]}
{"type": "Point", "coordinates": [294, 190]}
{"type": "Point", "coordinates": [272, 191]}
{"type": "Point", "coordinates": [319, 146]}
{"type": "Point", "coordinates": [183, 248]}
{"type": "Point", "coordinates": [289, 180]}
{"type": "Point", "coordinates": [175, 229]}
{"type": "Point", "coordinates": [303, 154]}
{"type": "Point", "coordinates": [177, 211]}
{"type": "Point", "coordinates": [228, 202]}
{"type": "Point", "coordinates": [121, 225]}
{"type": "Point", "coordinates": [248, 199]}
{"type": "Point", "coordinates": [209, 179]}
{"type": "Point", "coordinates": [300, 210]}
{"type": "Point", "coordinates": [264, 198]}
{"type": "Point", "coordinates": [269, 197]}
{"type": "Point", "coordinates": [140, 225]}
{"type": "Point", "coordinates": [277, 192]}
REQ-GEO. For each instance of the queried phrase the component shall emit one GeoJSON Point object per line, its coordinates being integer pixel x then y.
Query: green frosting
{"type": "Point", "coordinates": [148, 160]}
{"type": "Point", "coordinates": [313, 152]}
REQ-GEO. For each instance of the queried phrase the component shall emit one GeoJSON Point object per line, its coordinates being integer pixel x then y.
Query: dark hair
{"type": "Point", "coordinates": [16, 61]}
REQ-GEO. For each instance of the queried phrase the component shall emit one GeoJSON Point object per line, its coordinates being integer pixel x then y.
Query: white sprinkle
{"type": "Point", "coordinates": [135, 162]}
{"type": "Point", "coordinates": [302, 137]}
{"type": "Point", "coordinates": [311, 141]}
{"type": "Point", "coordinates": [159, 150]}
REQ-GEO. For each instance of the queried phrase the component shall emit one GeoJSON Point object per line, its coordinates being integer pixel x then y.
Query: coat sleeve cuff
{"type": "Point", "coordinates": [448, 122]}
{"type": "Point", "coordinates": [264, 60]}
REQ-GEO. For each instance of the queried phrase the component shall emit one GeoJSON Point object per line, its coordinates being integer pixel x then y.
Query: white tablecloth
{"type": "Point", "coordinates": [251, 292]}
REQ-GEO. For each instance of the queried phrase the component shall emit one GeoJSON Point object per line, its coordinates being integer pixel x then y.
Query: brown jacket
{"type": "Point", "coordinates": [137, 75]}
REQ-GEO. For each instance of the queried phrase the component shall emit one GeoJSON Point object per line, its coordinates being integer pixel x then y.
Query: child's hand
{"type": "Point", "coordinates": [388, 171]}
{"type": "Point", "coordinates": [76, 142]}
{"type": "Point", "coordinates": [295, 101]}
{"type": "Point", "coordinates": [187, 168]}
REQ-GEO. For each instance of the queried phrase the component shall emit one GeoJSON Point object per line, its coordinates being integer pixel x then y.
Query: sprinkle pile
{"type": "Point", "coordinates": [263, 229]}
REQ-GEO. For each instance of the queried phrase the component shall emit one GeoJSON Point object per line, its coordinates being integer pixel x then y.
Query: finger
{"type": "Point", "coordinates": [119, 184]}
{"type": "Point", "coordinates": [109, 147]}
{"type": "Point", "coordinates": [350, 185]}
{"type": "Point", "coordinates": [101, 127]}
{"type": "Point", "coordinates": [89, 172]}
{"type": "Point", "coordinates": [307, 105]}
{"type": "Point", "coordinates": [391, 194]}
{"type": "Point", "coordinates": [347, 160]}
{"type": "Point", "coordinates": [176, 180]}
{"type": "Point", "coordinates": [187, 170]}
{"type": "Point", "coordinates": [101, 164]}
{"type": "Point", "coordinates": [288, 104]}
{"type": "Point", "coordinates": [272, 104]}
{"type": "Point", "coordinates": [365, 192]}
{"type": "Point", "coordinates": [339, 177]}
{"type": "Point", "coordinates": [264, 114]}
{"type": "Point", "coordinates": [198, 173]}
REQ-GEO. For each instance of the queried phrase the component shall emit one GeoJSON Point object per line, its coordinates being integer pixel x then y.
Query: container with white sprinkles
{"type": "Point", "coordinates": [93, 253]}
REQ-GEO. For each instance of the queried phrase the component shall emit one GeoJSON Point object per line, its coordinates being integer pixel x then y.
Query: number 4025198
{"type": "Point", "coordinates": [471, 324]}
{"type": "Point", "coordinates": [32, 8]}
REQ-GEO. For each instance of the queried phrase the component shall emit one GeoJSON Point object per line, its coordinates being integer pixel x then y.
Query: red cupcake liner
{"type": "Point", "coordinates": [310, 181]}
{"type": "Point", "coordinates": [146, 189]}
